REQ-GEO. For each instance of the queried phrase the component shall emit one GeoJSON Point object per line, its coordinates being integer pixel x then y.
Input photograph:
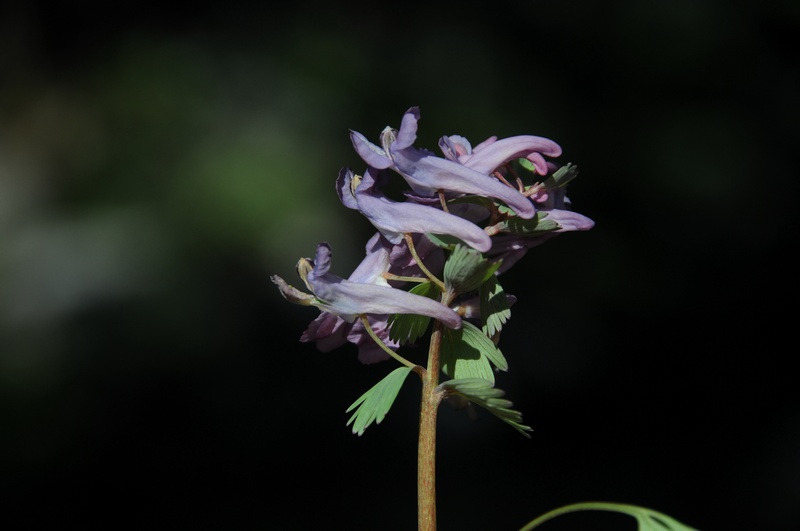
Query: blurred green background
{"type": "Point", "coordinates": [159, 162]}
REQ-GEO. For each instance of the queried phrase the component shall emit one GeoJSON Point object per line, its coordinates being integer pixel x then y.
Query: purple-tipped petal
{"type": "Point", "coordinates": [487, 157]}
{"type": "Point", "coordinates": [349, 299]}
{"type": "Point", "coordinates": [394, 219]}
{"type": "Point", "coordinates": [427, 174]}
{"type": "Point", "coordinates": [374, 264]}
{"type": "Point", "coordinates": [569, 220]}
{"type": "Point", "coordinates": [408, 129]}
{"type": "Point", "coordinates": [369, 152]}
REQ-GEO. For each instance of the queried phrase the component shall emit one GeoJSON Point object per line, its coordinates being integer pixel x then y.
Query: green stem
{"type": "Point", "coordinates": [381, 344]}
{"type": "Point", "coordinates": [391, 276]}
{"type": "Point", "coordinates": [410, 242]}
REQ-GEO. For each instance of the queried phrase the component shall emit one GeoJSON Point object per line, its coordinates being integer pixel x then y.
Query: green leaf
{"type": "Point", "coordinates": [561, 177]}
{"type": "Point", "coordinates": [648, 519]}
{"type": "Point", "coordinates": [461, 360]}
{"type": "Point", "coordinates": [495, 310]}
{"type": "Point", "coordinates": [534, 226]}
{"type": "Point", "coordinates": [485, 202]}
{"type": "Point", "coordinates": [375, 403]}
{"type": "Point", "coordinates": [466, 269]}
{"type": "Point", "coordinates": [528, 165]}
{"type": "Point", "coordinates": [475, 338]}
{"type": "Point", "coordinates": [483, 393]}
{"type": "Point", "coordinates": [466, 353]}
{"type": "Point", "coordinates": [407, 328]}
{"type": "Point", "coordinates": [445, 241]}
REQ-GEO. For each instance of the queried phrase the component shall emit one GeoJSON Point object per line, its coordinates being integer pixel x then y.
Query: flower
{"type": "Point", "coordinates": [394, 219]}
{"type": "Point", "coordinates": [427, 173]}
{"type": "Point", "coordinates": [349, 299]}
{"type": "Point", "coordinates": [492, 153]}
{"type": "Point", "coordinates": [366, 292]}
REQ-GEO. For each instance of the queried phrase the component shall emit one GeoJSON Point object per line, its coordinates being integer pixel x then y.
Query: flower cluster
{"type": "Point", "coordinates": [472, 202]}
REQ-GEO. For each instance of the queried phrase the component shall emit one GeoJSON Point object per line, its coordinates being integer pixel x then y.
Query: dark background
{"type": "Point", "coordinates": [159, 162]}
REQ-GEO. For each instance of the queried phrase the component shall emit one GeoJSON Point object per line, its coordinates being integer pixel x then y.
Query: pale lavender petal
{"type": "Point", "coordinates": [569, 220]}
{"type": "Point", "coordinates": [372, 154]}
{"type": "Point", "coordinates": [485, 158]}
{"type": "Point", "coordinates": [349, 299]}
{"type": "Point", "coordinates": [394, 219]}
{"type": "Point", "coordinates": [408, 130]}
{"type": "Point", "coordinates": [374, 264]}
{"type": "Point", "coordinates": [322, 263]}
{"type": "Point", "coordinates": [491, 140]}
{"type": "Point", "coordinates": [427, 174]}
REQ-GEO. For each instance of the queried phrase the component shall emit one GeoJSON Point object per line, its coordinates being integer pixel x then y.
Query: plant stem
{"type": "Point", "coordinates": [426, 450]}
{"type": "Point", "coordinates": [392, 353]}
{"type": "Point", "coordinates": [410, 243]}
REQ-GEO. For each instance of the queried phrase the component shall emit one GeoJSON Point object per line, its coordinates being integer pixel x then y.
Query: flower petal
{"type": "Point", "coordinates": [349, 299]}
{"type": "Point", "coordinates": [569, 220]}
{"type": "Point", "coordinates": [372, 154]}
{"type": "Point", "coordinates": [487, 157]}
{"type": "Point", "coordinates": [426, 173]}
{"type": "Point", "coordinates": [408, 129]}
{"type": "Point", "coordinates": [393, 219]}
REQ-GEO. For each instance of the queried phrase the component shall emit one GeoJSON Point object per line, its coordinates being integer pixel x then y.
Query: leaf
{"type": "Point", "coordinates": [561, 177]}
{"type": "Point", "coordinates": [528, 165]}
{"type": "Point", "coordinates": [495, 309]}
{"type": "Point", "coordinates": [466, 269]}
{"type": "Point", "coordinates": [474, 337]}
{"type": "Point", "coordinates": [466, 353]}
{"type": "Point", "coordinates": [375, 403]}
{"type": "Point", "coordinates": [530, 227]}
{"type": "Point", "coordinates": [459, 359]}
{"type": "Point", "coordinates": [407, 328]}
{"type": "Point", "coordinates": [445, 241]}
{"type": "Point", "coordinates": [648, 519]}
{"type": "Point", "coordinates": [483, 393]}
{"type": "Point", "coordinates": [485, 202]}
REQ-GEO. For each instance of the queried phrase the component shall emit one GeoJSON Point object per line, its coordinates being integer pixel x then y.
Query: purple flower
{"type": "Point", "coordinates": [492, 153]}
{"type": "Point", "coordinates": [366, 292]}
{"type": "Point", "coordinates": [394, 219]}
{"type": "Point", "coordinates": [427, 173]}
{"type": "Point", "coordinates": [349, 299]}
